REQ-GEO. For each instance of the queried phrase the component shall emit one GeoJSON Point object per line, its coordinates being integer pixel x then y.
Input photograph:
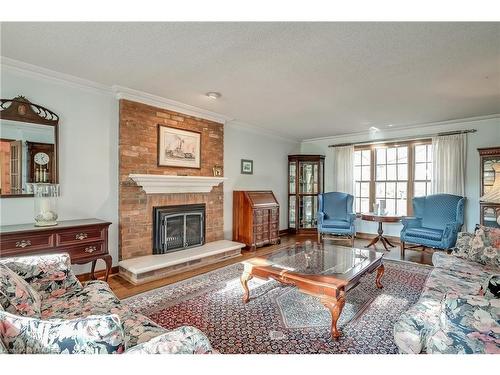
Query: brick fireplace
{"type": "Point", "coordinates": [138, 155]}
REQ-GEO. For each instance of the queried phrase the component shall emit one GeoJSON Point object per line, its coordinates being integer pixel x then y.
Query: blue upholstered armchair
{"type": "Point", "coordinates": [335, 215]}
{"type": "Point", "coordinates": [438, 219]}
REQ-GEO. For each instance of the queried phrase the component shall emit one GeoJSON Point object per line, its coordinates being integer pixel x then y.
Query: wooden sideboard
{"type": "Point", "coordinates": [256, 218]}
{"type": "Point", "coordinates": [84, 240]}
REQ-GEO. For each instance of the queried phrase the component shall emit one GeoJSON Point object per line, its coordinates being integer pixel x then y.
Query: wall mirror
{"type": "Point", "coordinates": [28, 146]}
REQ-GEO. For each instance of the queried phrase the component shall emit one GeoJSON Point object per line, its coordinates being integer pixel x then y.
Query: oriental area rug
{"type": "Point", "coordinates": [280, 319]}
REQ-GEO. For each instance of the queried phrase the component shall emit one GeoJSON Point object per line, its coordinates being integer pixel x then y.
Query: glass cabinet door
{"type": "Point", "coordinates": [291, 211]}
{"type": "Point", "coordinates": [308, 206]}
{"type": "Point", "coordinates": [292, 176]}
{"type": "Point", "coordinates": [308, 178]}
{"type": "Point", "coordinates": [305, 182]}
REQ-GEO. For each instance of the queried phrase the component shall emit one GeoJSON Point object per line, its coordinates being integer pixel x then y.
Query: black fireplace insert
{"type": "Point", "coordinates": [178, 227]}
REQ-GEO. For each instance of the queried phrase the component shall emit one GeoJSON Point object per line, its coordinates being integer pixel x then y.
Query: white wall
{"type": "Point", "coordinates": [88, 151]}
{"type": "Point", "coordinates": [270, 162]}
{"type": "Point", "coordinates": [488, 134]}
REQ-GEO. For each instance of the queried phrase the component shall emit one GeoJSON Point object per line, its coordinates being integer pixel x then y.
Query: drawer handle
{"type": "Point", "coordinates": [81, 236]}
{"type": "Point", "coordinates": [90, 249]}
{"type": "Point", "coordinates": [23, 243]}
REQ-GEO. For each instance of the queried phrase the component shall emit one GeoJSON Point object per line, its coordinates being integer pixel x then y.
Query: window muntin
{"type": "Point", "coordinates": [423, 170]}
{"type": "Point", "coordinates": [391, 178]}
{"type": "Point", "coordinates": [362, 178]}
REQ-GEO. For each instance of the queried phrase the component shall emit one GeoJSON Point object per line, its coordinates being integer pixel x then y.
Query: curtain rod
{"type": "Point", "coordinates": [398, 139]}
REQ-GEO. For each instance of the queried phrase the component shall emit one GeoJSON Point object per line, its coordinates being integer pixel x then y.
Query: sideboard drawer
{"type": "Point", "coordinates": [28, 243]}
{"type": "Point", "coordinates": [86, 250]}
{"type": "Point", "coordinates": [81, 235]}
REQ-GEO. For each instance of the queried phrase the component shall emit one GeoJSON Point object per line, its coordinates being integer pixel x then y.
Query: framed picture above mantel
{"type": "Point", "coordinates": [178, 147]}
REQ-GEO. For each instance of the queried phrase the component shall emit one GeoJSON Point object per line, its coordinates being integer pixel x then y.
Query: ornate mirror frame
{"type": "Point", "coordinates": [21, 109]}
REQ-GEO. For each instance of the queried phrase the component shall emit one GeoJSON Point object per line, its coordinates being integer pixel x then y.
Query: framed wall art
{"type": "Point", "coordinates": [246, 166]}
{"type": "Point", "coordinates": [178, 148]}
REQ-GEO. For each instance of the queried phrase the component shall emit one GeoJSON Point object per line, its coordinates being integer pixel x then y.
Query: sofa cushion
{"type": "Point", "coordinates": [426, 233]}
{"type": "Point", "coordinates": [444, 281]}
{"type": "Point", "coordinates": [3, 349]}
{"type": "Point", "coordinates": [183, 340]}
{"type": "Point", "coordinates": [462, 246]}
{"type": "Point", "coordinates": [96, 298]}
{"type": "Point", "coordinates": [16, 296]}
{"type": "Point", "coordinates": [485, 246]}
{"type": "Point", "coordinates": [465, 267]}
{"type": "Point", "coordinates": [46, 274]}
{"type": "Point", "coordinates": [411, 329]}
{"type": "Point", "coordinates": [88, 335]}
{"type": "Point", "coordinates": [468, 324]}
{"type": "Point", "coordinates": [491, 287]}
{"type": "Point", "coordinates": [332, 223]}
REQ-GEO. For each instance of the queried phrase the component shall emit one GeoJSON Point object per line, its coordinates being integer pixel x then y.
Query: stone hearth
{"type": "Point", "coordinates": [151, 267]}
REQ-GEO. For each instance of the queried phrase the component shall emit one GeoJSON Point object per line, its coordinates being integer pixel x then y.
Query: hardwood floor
{"type": "Point", "coordinates": [124, 289]}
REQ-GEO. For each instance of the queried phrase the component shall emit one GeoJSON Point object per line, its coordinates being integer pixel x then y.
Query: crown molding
{"type": "Point", "coordinates": [399, 128]}
{"type": "Point", "coordinates": [38, 72]}
{"type": "Point", "coordinates": [260, 131]}
{"type": "Point", "coordinates": [122, 92]}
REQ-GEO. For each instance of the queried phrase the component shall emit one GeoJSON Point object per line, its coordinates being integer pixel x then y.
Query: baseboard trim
{"type": "Point", "coordinates": [284, 232]}
{"type": "Point", "coordinates": [98, 274]}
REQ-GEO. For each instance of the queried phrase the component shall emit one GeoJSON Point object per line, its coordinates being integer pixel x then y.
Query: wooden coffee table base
{"type": "Point", "coordinates": [334, 303]}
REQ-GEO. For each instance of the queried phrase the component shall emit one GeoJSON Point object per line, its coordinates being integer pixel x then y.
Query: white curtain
{"type": "Point", "coordinates": [448, 164]}
{"type": "Point", "coordinates": [343, 169]}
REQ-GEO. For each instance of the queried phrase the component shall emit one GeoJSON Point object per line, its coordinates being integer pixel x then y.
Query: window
{"type": "Point", "coordinates": [362, 178]}
{"type": "Point", "coordinates": [423, 170]}
{"type": "Point", "coordinates": [391, 180]}
{"type": "Point", "coordinates": [393, 172]}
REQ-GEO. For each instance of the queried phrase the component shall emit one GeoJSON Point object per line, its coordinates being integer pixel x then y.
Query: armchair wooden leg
{"type": "Point", "coordinates": [319, 236]}
{"type": "Point", "coordinates": [352, 240]}
{"type": "Point", "coordinates": [402, 250]}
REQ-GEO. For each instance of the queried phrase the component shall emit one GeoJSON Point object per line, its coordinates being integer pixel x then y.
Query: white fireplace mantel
{"type": "Point", "coordinates": [163, 184]}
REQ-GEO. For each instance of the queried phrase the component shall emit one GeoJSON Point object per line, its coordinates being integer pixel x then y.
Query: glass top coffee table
{"type": "Point", "coordinates": [325, 271]}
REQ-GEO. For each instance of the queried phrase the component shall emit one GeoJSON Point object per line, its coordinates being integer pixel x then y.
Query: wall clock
{"type": "Point", "coordinates": [41, 158]}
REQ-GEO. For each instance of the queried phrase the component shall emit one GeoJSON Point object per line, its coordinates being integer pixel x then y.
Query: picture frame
{"type": "Point", "coordinates": [217, 171]}
{"type": "Point", "coordinates": [178, 147]}
{"type": "Point", "coordinates": [246, 166]}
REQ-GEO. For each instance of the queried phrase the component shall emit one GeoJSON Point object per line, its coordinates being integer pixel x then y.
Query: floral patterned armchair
{"type": "Point", "coordinates": [64, 298]}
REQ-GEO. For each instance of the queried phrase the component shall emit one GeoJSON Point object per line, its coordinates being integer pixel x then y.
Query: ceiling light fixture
{"type": "Point", "coordinates": [213, 95]}
{"type": "Point", "coordinates": [374, 129]}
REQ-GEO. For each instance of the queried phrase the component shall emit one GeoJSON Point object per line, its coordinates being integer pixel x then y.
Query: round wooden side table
{"type": "Point", "coordinates": [380, 219]}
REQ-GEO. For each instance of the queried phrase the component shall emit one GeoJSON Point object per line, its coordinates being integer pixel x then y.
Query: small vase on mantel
{"type": "Point", "coordinates": [45, 203]}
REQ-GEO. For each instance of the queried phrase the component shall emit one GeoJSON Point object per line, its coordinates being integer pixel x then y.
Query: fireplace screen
{"type": "Point", "coordinates": [178, 227]}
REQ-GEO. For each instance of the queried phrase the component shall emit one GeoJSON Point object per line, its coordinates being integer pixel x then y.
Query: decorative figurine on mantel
{"type": "Point", "coordinates": [45, 203]}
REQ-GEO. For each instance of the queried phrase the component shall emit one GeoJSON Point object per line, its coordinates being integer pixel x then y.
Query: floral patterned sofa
{"type": "Point", "coordinates": [63, 298]}
{"type": "Point", "coordinates": [459, 309]}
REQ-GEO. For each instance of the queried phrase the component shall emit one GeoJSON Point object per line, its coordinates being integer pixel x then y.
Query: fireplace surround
{"type": "Point", "coordinates": [178, 227]}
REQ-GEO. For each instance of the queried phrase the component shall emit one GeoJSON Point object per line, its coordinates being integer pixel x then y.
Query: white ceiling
{"type": "Point", "coordinates": [301, 80]}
